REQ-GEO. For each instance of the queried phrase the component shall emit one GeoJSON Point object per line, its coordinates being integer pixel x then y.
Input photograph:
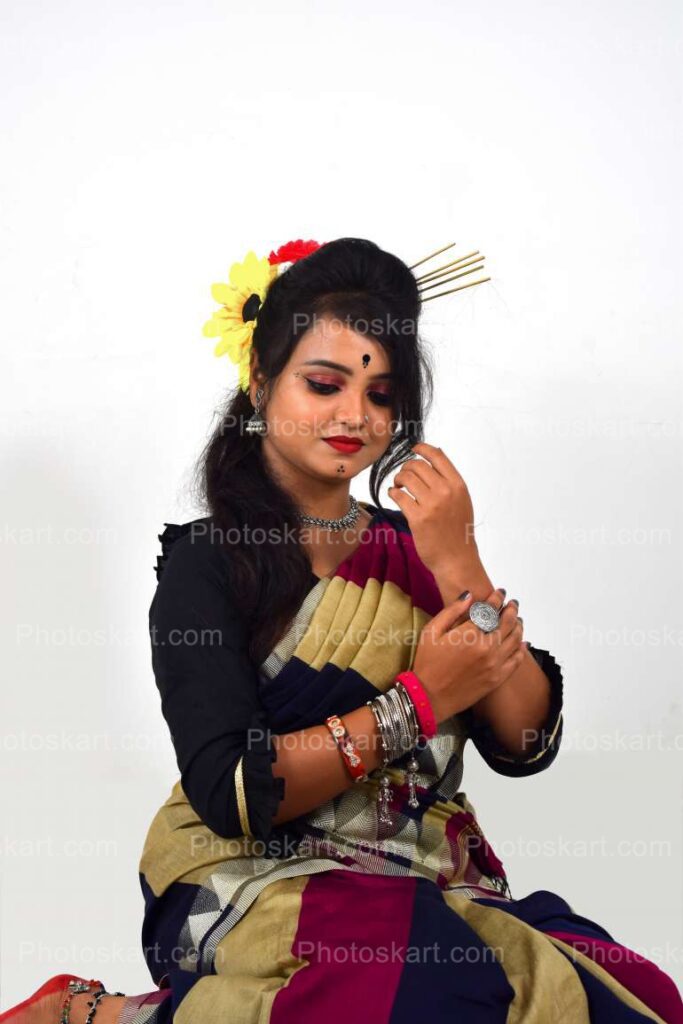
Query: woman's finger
{"type": "Point", "coordinates": [415, 484]}
{"type": "Point", "coordinates": [511, 641]}
{"type": "Point", "coordinates": [438, 459]}
{"type": "Point", "coordinates": [508, 618]}
{"type": "Point", "coordinates": [512, 662]}
{"type": "Point", "coordinates": [422, 470]}
{"type": "Point", "coordinates": [447, 619]}
{"type": "Point", "coordinates": [401, 498]}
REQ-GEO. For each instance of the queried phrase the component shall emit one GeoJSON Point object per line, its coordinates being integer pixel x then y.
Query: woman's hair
{"type": "Point", "coordinates": [373, 292]}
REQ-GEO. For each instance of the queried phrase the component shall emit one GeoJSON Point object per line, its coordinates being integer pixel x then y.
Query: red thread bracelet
{"type": "Point", "coordinates": [420, 698]}
{"type": "Point", "coordinates": [348, 749]}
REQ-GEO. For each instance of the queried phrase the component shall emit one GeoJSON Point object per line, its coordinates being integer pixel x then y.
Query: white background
{"type": "Point", "coordinates": [150, 146]}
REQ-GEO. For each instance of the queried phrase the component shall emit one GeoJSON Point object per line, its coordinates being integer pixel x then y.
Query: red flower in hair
{"type": "Point", "coordinates": [290, 252]}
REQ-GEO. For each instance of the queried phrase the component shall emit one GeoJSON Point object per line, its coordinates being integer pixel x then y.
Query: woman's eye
{"type": "Point", "coordinates": [378, 397]}
{"type": "Point", "coordinates": [321, 388]}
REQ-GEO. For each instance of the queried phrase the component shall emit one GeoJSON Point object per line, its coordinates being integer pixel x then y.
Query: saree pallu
{"type": "Point", "coordinates": [338, 916]}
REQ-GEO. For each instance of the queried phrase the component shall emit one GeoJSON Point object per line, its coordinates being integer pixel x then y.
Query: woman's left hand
{"type": "Point", "coordinates": [440, 516]}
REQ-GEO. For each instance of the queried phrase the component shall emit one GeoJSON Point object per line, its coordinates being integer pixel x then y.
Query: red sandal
{"type": "Point", "coordinates": [60, 983]}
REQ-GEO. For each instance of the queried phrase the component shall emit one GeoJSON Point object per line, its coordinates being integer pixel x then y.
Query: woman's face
{"type": "Point", "coordinates": [312, 401]}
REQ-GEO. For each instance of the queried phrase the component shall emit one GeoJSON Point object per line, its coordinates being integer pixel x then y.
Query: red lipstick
{"type": "Point", "coordinates": [341, 443]}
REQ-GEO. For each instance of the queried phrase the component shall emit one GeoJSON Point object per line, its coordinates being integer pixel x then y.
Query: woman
{"type": "Point", "coordinates": [288, 876]}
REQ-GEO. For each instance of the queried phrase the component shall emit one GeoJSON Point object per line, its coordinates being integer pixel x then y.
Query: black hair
{"type": "Point", "coordinates": [372, 291]}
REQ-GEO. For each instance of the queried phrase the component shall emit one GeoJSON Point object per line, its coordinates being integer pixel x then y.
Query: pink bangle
{"type": "Point", "coordinates": [420, 698]}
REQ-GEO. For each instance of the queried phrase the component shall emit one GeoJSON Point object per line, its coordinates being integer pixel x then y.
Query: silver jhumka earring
{"type": "Point", "coordinates": [256, 424]}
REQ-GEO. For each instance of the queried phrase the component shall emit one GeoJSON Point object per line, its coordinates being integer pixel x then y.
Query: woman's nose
{"type": "Point", "coordinates": [352, 410]}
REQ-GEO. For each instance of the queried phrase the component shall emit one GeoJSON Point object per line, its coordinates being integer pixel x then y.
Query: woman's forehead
{"type": "Point", "coordinates": [340, 343]}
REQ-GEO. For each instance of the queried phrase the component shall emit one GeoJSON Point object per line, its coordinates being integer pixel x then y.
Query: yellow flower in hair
{"type": "Point", "coordinates": [240, 300]}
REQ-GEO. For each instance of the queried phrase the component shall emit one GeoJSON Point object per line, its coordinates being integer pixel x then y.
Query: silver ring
{"type": "Point", "coordinates": [484, 615]}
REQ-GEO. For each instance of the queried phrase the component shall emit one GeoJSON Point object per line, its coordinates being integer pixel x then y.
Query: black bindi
{"type": "Point", "coordinates": [366, 360]}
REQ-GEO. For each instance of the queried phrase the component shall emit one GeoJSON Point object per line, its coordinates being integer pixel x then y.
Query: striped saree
{"type": "Point", "coordinates": [337, 916]}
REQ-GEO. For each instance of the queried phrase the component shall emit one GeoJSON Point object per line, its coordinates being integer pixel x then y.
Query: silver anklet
{"type": "Point", "coordinates": [76, 987]}
{"type": "Point", "coordinates": [94, 1002]}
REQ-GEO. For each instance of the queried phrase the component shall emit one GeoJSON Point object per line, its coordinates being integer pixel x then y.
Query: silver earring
{"type": "Point", "coordinates": [256, 424]}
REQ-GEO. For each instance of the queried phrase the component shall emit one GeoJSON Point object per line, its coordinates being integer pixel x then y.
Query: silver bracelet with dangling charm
{"type": "Point", "coordinates": [399, 733]}
{"type": "Point", "coordinates": [397, 720]}
{"type": "Point", "coordinates": [390, 753]}
{"type": "Point", "coordinates": [407, 708]}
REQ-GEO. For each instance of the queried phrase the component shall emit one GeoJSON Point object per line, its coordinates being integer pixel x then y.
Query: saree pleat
{"type": "Point", "coordinates": [350, 918]}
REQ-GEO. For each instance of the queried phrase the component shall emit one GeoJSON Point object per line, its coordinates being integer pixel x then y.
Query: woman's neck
{"type": "Point", "coordinates": [327, 548]}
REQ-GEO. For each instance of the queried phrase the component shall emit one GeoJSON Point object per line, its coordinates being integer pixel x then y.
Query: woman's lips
{"type": "Point", "coordinates": [343, 446]}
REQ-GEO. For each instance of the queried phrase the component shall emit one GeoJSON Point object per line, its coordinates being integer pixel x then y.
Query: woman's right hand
{"type": "Point", "coordinates": [459, 664]}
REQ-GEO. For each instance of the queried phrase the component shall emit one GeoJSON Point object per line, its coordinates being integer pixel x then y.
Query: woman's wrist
{"type": "Point", "coordinates": [363, 727]}
{"type": "Point", "coordinates": [464, 573]}
{"type": "Point", "coordinates": [422, 704]}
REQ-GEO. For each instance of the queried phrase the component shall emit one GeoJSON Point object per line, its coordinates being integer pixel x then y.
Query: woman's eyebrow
{"type": "Point", "coordinates": [342, 369]}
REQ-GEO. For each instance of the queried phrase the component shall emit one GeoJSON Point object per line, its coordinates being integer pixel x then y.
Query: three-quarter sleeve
{"type": "Point", "coordinates": [209, 689]}
{"type": "Point", "coordinates": [544, 750]}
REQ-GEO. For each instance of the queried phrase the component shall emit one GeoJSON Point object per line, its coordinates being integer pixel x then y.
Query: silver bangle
{"type": "Point", "coordinates": [400, 717]}
{"type": "Point", "coordinates": [380, 708]}
{"type": "Point", "coordinates": [397, 721]}
{"type": "Point", "coordinates": [402, 698]}
{"type": "Point", "coordinates": [403, 690]}
{"type": "Point", "coordinates": [386, 708]}
{"type": "Point", "coordinates": [380, 726]}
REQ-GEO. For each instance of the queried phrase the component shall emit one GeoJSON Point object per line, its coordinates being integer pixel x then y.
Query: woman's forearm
{"type": "Point", "coordinates": [312, 765]}
{"type": "Point", "coordinates": [517, 708]}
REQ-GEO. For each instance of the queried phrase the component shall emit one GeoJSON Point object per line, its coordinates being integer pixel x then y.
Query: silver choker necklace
{"type": "Point", "coordinates": [334, 524]}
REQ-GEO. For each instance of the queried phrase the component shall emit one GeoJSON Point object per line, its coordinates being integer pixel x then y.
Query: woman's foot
{"type": "Point", "coordinates": [107, 1012]}
{"type": "Point", "coordinates": [45, 1005]}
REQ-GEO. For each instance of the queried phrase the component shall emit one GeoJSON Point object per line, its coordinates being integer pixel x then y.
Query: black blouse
{"type": "Point", "coordinates": [209, 692]}
{"type": "Point", "coordinates": [208, 687]}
